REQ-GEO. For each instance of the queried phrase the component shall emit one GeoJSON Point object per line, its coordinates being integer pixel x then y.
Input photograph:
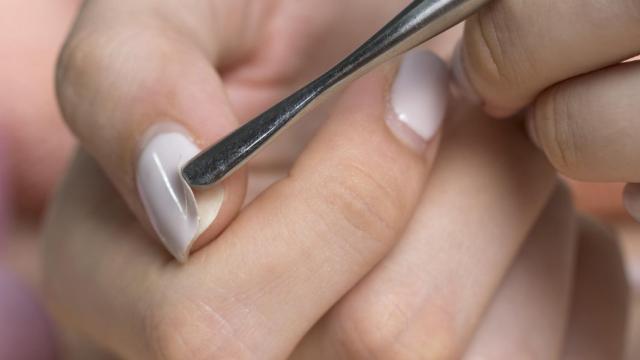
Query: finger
{"type": "Point", "coordinates": [425, 299]}
{"type": "Point", "coordinates": [303, 41]}
{"type": "Point", "coordinates": [587, 126]}
{"type": "Point", "coordinates": [283, 262]}
{"type": "Point", "coordinates": [599, 309]}
{"type": "Point", "coordinates": [514, 49]}
{"type": "Point", "coordinates": [142, 97]}
{"type": "Point", "coordinates": [528, 316]}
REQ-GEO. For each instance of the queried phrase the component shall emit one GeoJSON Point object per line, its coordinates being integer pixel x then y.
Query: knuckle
{"type": "Point", "coordinates": [383, 327]}
{"type": "Point", "coordinates": [484, 48]}
{"type": "Point", "coordinates": [177, 328]}
{"type": "Point", "coordinates": [362, 204]}
{"type": "Point", "coordinates": [558, 131]}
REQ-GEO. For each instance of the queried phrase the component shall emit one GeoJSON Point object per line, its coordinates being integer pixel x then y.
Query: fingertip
{"type": "Point", "coordinates": [464, 87]}
{"type": "Point", "coordinates": [461, 83]}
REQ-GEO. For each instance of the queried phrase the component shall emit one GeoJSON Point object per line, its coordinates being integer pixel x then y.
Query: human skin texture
{"type": "Point", "coordinates": [28, 113]}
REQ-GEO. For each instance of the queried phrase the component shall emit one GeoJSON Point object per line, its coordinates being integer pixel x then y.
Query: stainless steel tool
{"type": "Point", "coordinates": [419, 22]}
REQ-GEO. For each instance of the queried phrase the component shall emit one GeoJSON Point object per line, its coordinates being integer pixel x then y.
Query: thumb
{"type": "Point", "coordinates": [142, 100]}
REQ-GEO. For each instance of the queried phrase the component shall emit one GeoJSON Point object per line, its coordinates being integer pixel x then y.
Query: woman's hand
{"type": "Point", "coordinates": [566, 59]}
{"type": "Point", "coordinates": [351, 257]}
{"type": "Point", "coordinates": [144, 85]}
{"type": "Point", "coordinates": [348, 256]}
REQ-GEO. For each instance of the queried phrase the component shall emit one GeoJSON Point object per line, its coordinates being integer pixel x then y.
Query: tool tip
{"type": "Point", "coordinates": [194, 176]}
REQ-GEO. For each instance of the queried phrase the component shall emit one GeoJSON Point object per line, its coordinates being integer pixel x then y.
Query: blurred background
{"type": "Point", "coordinates": [35, 147]}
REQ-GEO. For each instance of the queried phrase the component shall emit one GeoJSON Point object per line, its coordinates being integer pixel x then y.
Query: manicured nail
{"type": "Point", "coordinates": [632, 200]}
{"type": "Point", "coordinates": [461, 79]}
{"type": "Point", "coordinates": [419, 98]}
{"type": "Point", "coordinates": [176, 214]}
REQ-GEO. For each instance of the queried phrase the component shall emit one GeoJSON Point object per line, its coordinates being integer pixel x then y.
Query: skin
{"type": "Point", "coordinates": [225, 303]}
{"type": "Point", "coordinates": [582, 99]}
{"type": "Point", "coordinates": [250, 71]}
{"type": "Point", "coordinates": [309, 346]}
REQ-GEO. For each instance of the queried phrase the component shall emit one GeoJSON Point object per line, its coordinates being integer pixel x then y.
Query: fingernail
{"type": "Point", "coordinates": [177, 215]}
{"type": "Point", "coordinates": [632, 200]}
{"type": "Point", "coordinates": [461, 79]}
{"type": "Point", "coordinates": [419, 99]}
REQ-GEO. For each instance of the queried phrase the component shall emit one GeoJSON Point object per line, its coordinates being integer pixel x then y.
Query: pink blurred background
{"type": "Point", "coordinates": [34, 147]}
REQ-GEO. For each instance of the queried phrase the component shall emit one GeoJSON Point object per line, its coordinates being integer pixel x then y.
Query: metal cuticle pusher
{"type": "Point", "coordinates": [419, 22]}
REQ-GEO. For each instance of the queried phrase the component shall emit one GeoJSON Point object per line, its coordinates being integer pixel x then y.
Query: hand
{"type": "Point", "coordinates": [566, 60]}
{"type": "Point", "coordinates": [350, 257]}
{"type": "Point", "coordinates": [145, 85]}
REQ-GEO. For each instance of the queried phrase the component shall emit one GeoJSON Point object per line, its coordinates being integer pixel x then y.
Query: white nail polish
{"type": "Point", "coordinates": [177, 216]}
{"type": "Point", "coordinates": [419, 98]}
{"type": "Point", "coordinates": [632, 200]}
